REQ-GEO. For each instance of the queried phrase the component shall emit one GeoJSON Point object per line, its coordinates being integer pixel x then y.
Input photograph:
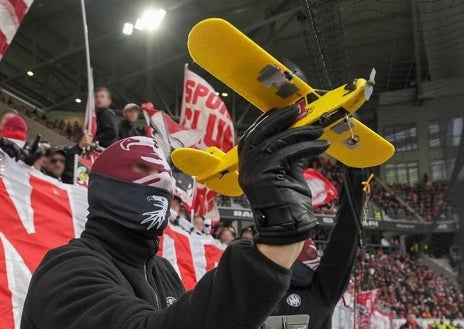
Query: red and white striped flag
{"type": "Point", "coordinates": [12, 13]}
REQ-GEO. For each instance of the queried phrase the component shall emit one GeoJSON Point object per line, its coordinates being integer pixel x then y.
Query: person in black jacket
{"type": "Point", "coordinates": [411, 322]}
{"type": "Point", "coordinates": [318, 284]}
{"type": "Point", "coordinates": [54, 164]}
{"type": "Point", "coordinates": [127, 127]}
{"type": "Point", "coordinates": [70, 153]}
{"type": "Point", "coordinates": [110, 278]}
{"type": "Point", "coordinates": [107, 123]}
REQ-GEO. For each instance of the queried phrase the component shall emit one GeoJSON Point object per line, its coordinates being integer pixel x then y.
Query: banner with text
{"type": "Point", "coordinates": [203, 109]}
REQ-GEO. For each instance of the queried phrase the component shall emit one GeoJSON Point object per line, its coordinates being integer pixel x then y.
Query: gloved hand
{"type": "Point", "coordinates": [271, 175]}
{"type": "Point", "coordinates": [11, 149]}
{"type": "Point", "coordinates": [34, 151]}
{"type": "Point", "coordinates": [34, 155]}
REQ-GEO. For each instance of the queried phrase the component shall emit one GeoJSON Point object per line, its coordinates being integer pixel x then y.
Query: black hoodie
{"type": "Point", "coordinates": [109, 278]}
{"type": "Point", "coordinates": [317, 292]}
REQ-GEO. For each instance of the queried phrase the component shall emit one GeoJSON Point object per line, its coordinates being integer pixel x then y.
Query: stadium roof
{"type": "Point", "coordinates": [331, 41]}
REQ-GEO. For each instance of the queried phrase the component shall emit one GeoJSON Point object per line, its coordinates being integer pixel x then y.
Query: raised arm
{"type": "Point", "coordinates": [333, 274]}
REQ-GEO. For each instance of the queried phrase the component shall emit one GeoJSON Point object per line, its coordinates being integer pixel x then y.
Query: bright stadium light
{"type": "Point", "coordinates": [78, 100]}
{"type": "Point", "coordinates": [150, 20]}
{"type": "Point", "coordinates": [139, 24]}
{"type": "Point", "coordinates": [128, 28]}
{"type": "Point", "coordinates": [30, 73]}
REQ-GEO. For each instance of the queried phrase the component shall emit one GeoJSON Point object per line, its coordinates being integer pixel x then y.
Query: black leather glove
{"type": "Point", "coordinates": [34, 152]}
{"type": "Point", "coordinates": [271, 175]}
{"type": "Point", "coordinates": [11, 149]}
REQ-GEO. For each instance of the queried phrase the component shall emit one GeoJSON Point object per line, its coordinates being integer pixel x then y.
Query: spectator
{"type": "Point", "coordinates": [5, 116]}
{"type": "Point", "coordinates": [70, 153]}
{"type": "Point", "coordinates": [54, 164]}
{"type": "Point", "coordinates": [226, 235]}
{"type": "Point", "coordinates": [38, 157]}
{"type": "Point", "coordinates": [198, 224]}
{"type": "Point", "coordinates": [178, 215]}
{"type": "Point", "coordinates": [127, 126]}
{"type": "Point", "coordinates": [411, 322]}
{"type": "Point", "coordinates": [440, 325]}
{"type": "Point", "coordinates": [408, 286]}
{"type": "Point", "coordinates": [13, 143]}
{"type": "Point", "coordinates": [184, 213]}
{"type": "Point", "coordinates": [107, 126]}
{"type": "Point", "coordinates": [247, 233]}
{"type": "Point", "coordinates": [15, 129]}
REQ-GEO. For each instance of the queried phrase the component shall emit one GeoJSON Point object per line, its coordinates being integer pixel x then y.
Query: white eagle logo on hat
{"type": "Point", "coordinates": [158, 216]}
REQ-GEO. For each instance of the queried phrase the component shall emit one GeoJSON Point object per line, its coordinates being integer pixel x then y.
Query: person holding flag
{"type": "Point", "coordinates": [107, 123]}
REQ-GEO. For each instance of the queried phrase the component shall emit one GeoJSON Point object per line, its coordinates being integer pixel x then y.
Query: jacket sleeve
{"type": "Point", "coordinates": [107, 129]}
{"type": "Point", "coordinates": [81, 291]}
{"type": "Point", "coordinates": [68, 175]}
{"type": "Point", "coordinates": [333, 275]}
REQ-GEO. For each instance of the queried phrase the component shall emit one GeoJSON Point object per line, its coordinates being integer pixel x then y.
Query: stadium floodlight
{"type": "Point", "coordinates": [128, 28]}
{"type": "Point", "coordinates": [78, 100]}
{"type": "Point", "coordinates": [139, 24]}
{"type": "Point", "coordinates": [30, 73]}
{"type": "Point", "coordinates": [150, 20]}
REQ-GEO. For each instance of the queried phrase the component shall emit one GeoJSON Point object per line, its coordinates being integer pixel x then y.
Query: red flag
{"type": "Point", "coordinates": [322, 189]}
{"type": "Point", "coordinates": [11, 16]}
{"type": "Point", "coordinates": [203, 109]}
{"type": "Point", "coordinates": [365, 306]}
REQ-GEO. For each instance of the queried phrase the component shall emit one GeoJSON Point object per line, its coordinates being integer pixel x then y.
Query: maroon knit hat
{"type": "Point", "coordinates": [135, 159]}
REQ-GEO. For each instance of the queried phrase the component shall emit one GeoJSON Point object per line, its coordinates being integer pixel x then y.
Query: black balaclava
{"type": "Point", "coordinates": [130, 183]}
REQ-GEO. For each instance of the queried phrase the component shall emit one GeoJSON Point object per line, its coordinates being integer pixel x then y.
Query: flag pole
{"type": "Point", "coordinates": [89, 68]}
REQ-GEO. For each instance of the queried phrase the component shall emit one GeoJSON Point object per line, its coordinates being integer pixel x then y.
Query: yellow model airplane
{"type": "Point", "coordinates": [240, 63]}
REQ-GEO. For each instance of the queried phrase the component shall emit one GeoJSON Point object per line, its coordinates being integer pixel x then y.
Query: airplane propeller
{"type": "Point", "coordinates": [369, 88]}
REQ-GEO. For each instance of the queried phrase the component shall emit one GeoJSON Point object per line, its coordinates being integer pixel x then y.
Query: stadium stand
{"type": "Point", "coordinates": [409, 286]}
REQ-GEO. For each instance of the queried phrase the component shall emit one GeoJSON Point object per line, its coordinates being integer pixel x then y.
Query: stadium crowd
{"type": "Point", "coordinates": [407, 286]}
{"type": "Point", "coordinates": [429, 199]}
